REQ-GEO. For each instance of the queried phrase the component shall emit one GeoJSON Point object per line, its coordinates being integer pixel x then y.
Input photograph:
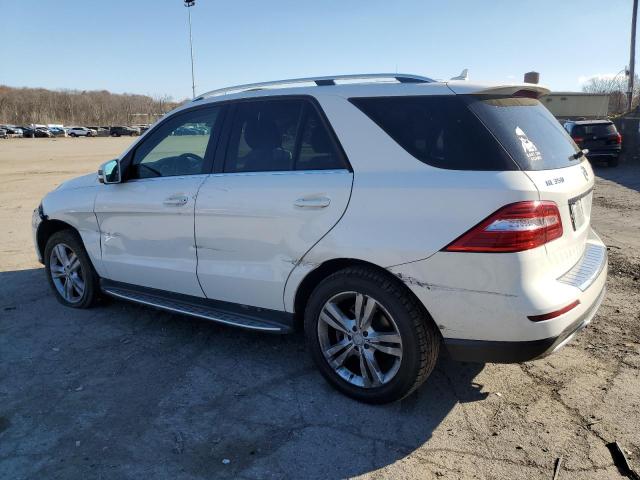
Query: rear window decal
{"type": "Point", "coordinates": [530, 149]}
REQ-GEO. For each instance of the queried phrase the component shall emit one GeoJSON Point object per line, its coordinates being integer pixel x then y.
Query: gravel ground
{"type": "Point", "coordinates": [122, 391]}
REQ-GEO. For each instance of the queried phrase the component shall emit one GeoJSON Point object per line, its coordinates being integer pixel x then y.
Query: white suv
{"type": "Point", "coordinates": [390, 215]}
{"type": "Point", "coordinates": [81, 132]}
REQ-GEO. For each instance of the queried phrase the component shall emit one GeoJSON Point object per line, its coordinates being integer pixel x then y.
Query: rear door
{"type": "Point", "coordinates": [547, 154]}
{"type": "Point", "coordinates": [281, 183]}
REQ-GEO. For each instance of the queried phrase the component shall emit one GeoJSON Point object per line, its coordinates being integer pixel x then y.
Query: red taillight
{"type": "Point", "coordinates": [557, 313]}
{"type": "Point", "coordinates": [617, 138]}
{"type": "Point", "coordinates": [515, 227]}
{"type": "Point", "coordinates": [578, 139]}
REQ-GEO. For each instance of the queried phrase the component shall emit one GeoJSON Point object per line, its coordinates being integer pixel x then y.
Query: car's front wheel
{"type": "Point", "coordinates": [69, 270]}
{"type": "Point", "coordinates": [369, 336]}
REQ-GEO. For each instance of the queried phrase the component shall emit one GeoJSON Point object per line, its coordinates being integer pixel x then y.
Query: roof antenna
{"type": "Point", "coordinates": [464, 75]}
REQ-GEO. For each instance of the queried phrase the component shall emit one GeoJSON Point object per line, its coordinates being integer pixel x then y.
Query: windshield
{"type": "Point", "coordinates": [527, 130]}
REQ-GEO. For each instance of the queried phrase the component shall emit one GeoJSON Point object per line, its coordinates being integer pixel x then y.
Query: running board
{"type": "Point", "coordinates": [242, 316]}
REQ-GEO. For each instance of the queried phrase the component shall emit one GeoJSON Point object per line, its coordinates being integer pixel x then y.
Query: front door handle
{"type": "Point", "coordinates": [176, 200]}
{"type": "Point", "coordinates": [312, 202]}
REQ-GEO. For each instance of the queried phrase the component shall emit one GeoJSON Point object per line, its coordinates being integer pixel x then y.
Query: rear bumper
{"type": "Point", "coordinates": [515, 352]}
{"type": "Point", "coordinates": [482, 303]}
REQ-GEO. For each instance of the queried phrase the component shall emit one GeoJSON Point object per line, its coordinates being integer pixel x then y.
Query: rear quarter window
{"type": "Point", "coordinates": [440, 131]}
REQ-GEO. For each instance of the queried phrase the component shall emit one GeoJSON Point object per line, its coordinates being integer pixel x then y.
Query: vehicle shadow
{"type": "Point", "coordinates": [125, 391]}
{"type": "Point", "coordinates": [627, 173]}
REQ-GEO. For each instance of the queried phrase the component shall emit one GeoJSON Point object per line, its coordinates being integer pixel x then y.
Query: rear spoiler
{"type": "Point", "coordinates": [530, 90]}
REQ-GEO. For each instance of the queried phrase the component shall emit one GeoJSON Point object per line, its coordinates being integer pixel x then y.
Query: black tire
{"type": "Point", "coordinates": [73, 135]}
{"type": "Point", "coordinates": [72, 240]}
{"type": "Point", "coordinates": [420, 337]}
{"type": "Point", "coordinates": [613, 162]}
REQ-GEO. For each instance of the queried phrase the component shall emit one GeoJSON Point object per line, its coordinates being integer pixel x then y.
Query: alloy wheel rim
{"type": "Point", "coordinates": [360, 340]}
{"type": "Point", "coordinates": [66, 273]}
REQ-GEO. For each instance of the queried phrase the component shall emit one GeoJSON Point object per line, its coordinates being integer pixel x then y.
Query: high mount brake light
{"type": "Point", "coordinates": [515, 227]}
{"type": "Point", "coordinates": [526, 94]}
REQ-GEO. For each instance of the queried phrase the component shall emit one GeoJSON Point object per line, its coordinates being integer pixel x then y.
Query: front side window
{"type": "Point", "coordinates": [178, 147]}
{"type": "Point", "coordinates": [279, 135]}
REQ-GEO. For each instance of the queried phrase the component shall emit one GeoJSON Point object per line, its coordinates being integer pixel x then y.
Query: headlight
{"type": "Point", "coordinates": [37, 217]}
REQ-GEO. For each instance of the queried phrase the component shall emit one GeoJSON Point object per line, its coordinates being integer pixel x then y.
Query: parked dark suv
{"type": "Point", "coordinates": [600, 137]}
{"type": "Point", "coordinates": [119, 131]}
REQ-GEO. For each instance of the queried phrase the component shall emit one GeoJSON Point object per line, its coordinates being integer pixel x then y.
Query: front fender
{"type": "Point", "coordinates": [75, 207]}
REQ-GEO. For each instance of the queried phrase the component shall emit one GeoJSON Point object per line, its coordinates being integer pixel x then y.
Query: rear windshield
{"type": "Point", "coordinates": [468, 132]}
{"type": "Point", "coordinates": [531, 135]}
{"type": "Point", "coordinates": [594, 129]}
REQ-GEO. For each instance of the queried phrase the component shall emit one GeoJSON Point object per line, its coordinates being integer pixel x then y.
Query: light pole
{"type": "Point", "coordinates": [189, 4]}
{"type": "Point", "coordinates": [632, 59]}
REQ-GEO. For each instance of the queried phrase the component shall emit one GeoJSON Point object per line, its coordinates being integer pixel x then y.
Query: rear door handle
{"type": "Point", "coordinates": [312, 202]}
{"type": "Point", "coordinates": [176, 200]}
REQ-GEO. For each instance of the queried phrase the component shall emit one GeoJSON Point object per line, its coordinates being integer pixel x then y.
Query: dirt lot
{"type": "Point", "coordinates": [122, 391]}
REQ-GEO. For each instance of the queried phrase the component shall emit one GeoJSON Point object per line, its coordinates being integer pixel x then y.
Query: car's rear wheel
{"type": "Point", "coordinates": [69, 270]}
{"type": "Point", "coordinates": [369, 336]}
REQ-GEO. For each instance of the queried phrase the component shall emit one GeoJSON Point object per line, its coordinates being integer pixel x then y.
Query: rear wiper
{"type": "Point", "coordinates": [579, 154]}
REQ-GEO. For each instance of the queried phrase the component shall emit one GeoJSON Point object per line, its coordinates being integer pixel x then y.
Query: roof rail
{"type": "Point", "coordinates": [319, 81]}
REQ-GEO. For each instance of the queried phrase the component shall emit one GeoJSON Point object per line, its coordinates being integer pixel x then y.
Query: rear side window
{"type": "Point", "coordinates": [438, 130]}
{"type": "Point", "coordinates": [263, 136]}
{"type": "Point", "coordinates": [317, 150]}
{"type": "Point", "coordinates": [526, 129]}
{"type": "Point", "coordinates": [279, 135]}
{"type": "Point", "coordinates": [594, 129]}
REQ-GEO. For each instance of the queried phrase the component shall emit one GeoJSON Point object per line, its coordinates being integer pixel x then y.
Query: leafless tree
{"type": "Point", "coordinates": [72, 107]}
{"type": "Point", "coordinates": [616, 87]}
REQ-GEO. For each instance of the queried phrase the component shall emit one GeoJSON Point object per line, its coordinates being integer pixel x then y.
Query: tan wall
{"type": "Point", "coordinates": [574, 106]}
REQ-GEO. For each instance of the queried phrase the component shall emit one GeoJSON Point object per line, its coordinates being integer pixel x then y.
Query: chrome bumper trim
{"type": "Point", "coordinates": [584, 273]}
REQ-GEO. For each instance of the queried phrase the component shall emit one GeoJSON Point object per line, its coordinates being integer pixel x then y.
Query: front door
{"type": "Point", "coordinates": [146, 222]}
{"type": "Point", "coordinates": [284, 184]}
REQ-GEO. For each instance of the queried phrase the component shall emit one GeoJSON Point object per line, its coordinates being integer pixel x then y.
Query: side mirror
{"type": "Point", "coordinates": [109, 172]}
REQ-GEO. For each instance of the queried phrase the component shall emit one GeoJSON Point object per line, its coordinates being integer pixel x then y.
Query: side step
{"type": "Point", "coordinates": [242, 316]}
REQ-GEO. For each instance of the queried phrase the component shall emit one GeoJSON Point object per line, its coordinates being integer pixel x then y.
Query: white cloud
{"type": "Point", "coordinates": [582, 79]}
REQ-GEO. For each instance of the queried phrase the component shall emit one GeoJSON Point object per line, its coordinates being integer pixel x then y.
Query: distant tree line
{"type": "Point", "coordinates": [20, 106]}
{"type": "Point", "coordinates": [616, 87]}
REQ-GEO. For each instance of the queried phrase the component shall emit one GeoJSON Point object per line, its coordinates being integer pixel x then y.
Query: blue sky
{"type": "Point", "coordinates": [141, 46]}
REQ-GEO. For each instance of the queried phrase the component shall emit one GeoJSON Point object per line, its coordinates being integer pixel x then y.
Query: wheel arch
{"type": "Point", "coordinates": [47, 228]}
{"type": "Point", "coordinates": [329, 267]}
